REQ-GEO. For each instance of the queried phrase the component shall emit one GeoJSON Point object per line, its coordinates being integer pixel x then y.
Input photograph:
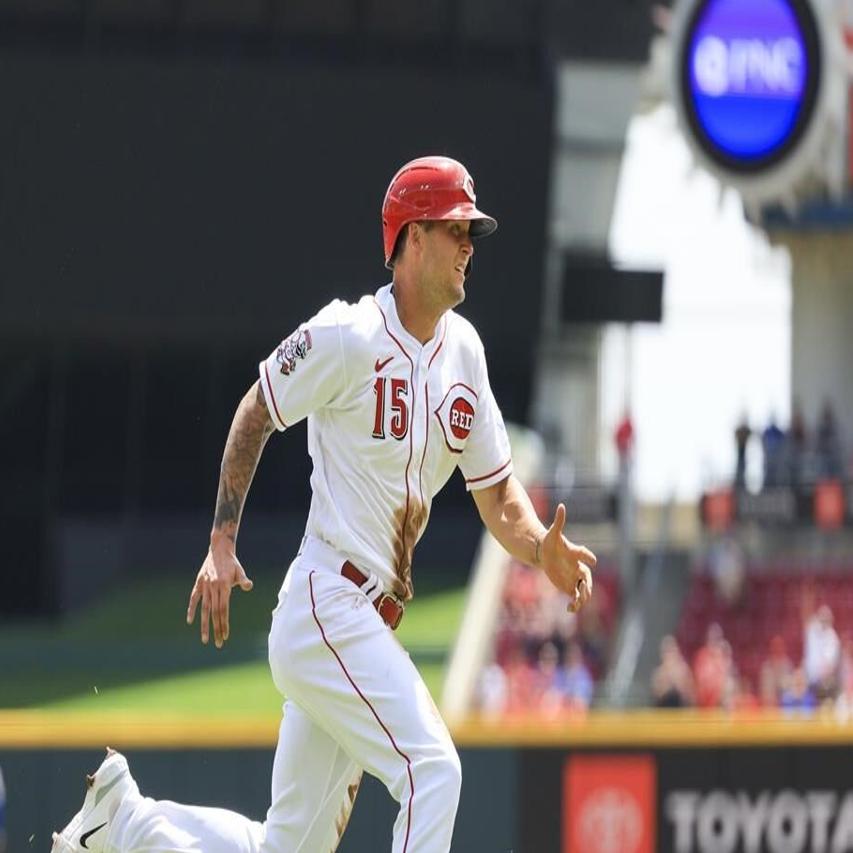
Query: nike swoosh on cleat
{"type": "Point", "coordinates": [87, 835]}
{"type": "Point", "coordinates": [380, 364]}
{"type": "Point", "coordinates": [102, 792]}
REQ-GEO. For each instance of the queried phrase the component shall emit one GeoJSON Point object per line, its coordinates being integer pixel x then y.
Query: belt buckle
{"type": "Point", "coordinates": [394, 600]}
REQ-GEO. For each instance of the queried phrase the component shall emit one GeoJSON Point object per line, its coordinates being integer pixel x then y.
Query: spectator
{"type": "Point", "coordinates": [624, 437]}
{"type": "Point", "coordinates": [672, 681]}
{"type": "Point", "coordinates": [493, 691]}
{"type": "Point", "coordinates": [743, 696]}
{"type": "Point", "coordinates": [773, 444]}
{"type": "Point", "coordinates": [728, 571]}
{"type": "Point", "coordinates": [731, 677]}
{"type": "Point", "coordinates": [844, 703]}
{"type": "Point", "coordinates": [797, 445]}
{"type": "Point", "coordinates": [828, 444]}
{"type": "Point", "coordinates": [821, 651]}
{"type": "Point", "coordinates": [776, 671]}
{"type": "Point", "coordinates": [742, 434]}
{"type": "Point", "coordinates": [576, 681]}
{"type": "Point", "coordinates": [549, 688]}
{"type": "Point", "coordinates": [520, 682]}
{"type": "Point", "coordinates": [798, 696]}
{"type": "Point", "coordinates": [711, 666]}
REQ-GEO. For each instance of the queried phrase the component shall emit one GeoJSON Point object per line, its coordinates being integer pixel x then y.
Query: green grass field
{"type": "Point", "coordinates": [133, 651]}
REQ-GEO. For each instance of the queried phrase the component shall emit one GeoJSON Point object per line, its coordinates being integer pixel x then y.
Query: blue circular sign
{"type": "Point", "coordinates": [749, 77]}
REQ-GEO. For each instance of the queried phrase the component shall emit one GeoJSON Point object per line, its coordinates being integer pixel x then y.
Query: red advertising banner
{"type": "Point", "coordinates": [609, 804]}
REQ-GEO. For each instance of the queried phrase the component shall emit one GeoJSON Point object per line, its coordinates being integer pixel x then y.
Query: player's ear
{"type": "Point", "coordinates": [415, 237]}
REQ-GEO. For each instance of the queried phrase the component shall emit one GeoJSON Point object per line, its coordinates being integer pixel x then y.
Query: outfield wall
{"type": "Point", "coordinates": [629, 783]}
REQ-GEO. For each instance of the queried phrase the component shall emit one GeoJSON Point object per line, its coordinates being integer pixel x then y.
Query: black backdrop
{"type": "Point", "coordinates": [166, 217]}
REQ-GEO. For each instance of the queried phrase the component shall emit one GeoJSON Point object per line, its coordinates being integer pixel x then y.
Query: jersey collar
{"type": "Point", "coordinates": [386, 301]}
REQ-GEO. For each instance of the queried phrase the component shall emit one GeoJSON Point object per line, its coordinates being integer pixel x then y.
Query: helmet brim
{"type": "Point", "coordinates": [481, 223]}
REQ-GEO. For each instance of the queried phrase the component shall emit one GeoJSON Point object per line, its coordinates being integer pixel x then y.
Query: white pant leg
{"type": "Point", "coordinates": [314, 783]}
{"type": "Point", "coordinates": [331, 653]}
{"type": "Point", "coordinates": [143, 825]}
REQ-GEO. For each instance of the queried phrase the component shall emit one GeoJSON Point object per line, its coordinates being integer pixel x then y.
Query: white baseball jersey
{"type": "Point", "coordinates": [389, 419]}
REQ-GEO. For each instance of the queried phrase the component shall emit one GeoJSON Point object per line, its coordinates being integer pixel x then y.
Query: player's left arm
{"type": "Point", "coordinates": [508, 513]}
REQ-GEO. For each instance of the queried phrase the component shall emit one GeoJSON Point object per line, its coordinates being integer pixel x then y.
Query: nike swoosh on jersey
{"type": "Point", "coordinates": [380, 364]}
{"type": "Point", "coordinates": [87, 835]}
{"type": "Point", "coordinates": [102, 792]}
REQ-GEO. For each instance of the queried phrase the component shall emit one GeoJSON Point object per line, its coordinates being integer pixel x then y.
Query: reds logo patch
{"type": "Point", "coordinates": [461, 417]}
{"type": "Point", "coordinates": [297, 346]}
{"type": "Point", "coordinates": [456, 416]}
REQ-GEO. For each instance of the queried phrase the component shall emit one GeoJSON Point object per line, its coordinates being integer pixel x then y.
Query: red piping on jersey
{"type": "Point", "coordinates": [440, 344]}
{"type": "Point", "coordinates": [272, 397]}
{"type": "Point", "coordinates": [492, 474]}
{"type": "Point", "coordinates": [467, 387]}
{"type": "Point", "coordinates": [426, 407]}
{"type": "Point", "coordinates": [438, 416]}
{"type": "Point", "coordinates": [426, 439]}
{"type": "Point", "coordinates": [411, 431]}
{"type": "Point", "coordinates": [372, 709]}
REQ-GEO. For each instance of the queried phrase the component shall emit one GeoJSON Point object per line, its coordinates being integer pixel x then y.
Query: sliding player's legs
{"type": "Point", "coordinates": [313, 789]}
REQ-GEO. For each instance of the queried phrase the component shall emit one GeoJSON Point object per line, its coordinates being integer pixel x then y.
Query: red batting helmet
{"type": "Point", "coordinates": [430, 188]}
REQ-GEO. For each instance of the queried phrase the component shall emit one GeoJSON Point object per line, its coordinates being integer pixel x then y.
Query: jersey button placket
{"type": "Point", "coordinates": [418, 432]}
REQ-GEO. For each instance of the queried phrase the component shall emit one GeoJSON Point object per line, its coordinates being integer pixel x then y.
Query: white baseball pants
{"type": "Point", "coordinates": [354, 700]}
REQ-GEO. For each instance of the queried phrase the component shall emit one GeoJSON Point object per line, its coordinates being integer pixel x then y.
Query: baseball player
{"type": "Point", "coordinates": [396, 392]}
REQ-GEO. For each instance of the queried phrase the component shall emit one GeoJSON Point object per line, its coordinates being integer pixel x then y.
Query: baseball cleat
{"type": "Point", "coordinates": [105, 789]}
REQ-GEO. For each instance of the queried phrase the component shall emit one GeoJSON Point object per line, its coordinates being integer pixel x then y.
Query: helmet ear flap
{"type": "Point", "coordinates": [398, 246]}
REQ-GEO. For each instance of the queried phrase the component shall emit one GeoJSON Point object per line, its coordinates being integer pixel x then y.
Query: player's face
{"type": "Point", "coordinates": [447, 250]}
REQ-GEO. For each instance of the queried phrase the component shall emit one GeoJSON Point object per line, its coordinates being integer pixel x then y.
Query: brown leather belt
{"type": "Point", "coordinates": [389, 607]}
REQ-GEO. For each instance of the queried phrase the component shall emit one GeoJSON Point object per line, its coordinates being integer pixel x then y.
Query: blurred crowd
{"type": "Point", "coordinates": [821, 677]}
{"type": "Point", "coordinates": [794, 456]}
{"type": "Point", "coordinates": [545, 658]}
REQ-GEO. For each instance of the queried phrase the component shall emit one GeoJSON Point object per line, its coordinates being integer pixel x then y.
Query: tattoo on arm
{"type": "Point", "coordinates": [249, 432]}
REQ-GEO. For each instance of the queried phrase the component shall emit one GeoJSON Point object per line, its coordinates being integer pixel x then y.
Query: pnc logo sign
{"type": "Point", "coordinates": [751, 66]}
{"type": "Point", "coordinates": [461, 417]}
{"type": "Point", "coordinates": [609, 804]}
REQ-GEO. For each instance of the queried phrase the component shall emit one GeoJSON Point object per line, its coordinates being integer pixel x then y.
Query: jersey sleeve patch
{"type": "Point", "coordinates": [292, 350]}
{"type": "Point", "coordinates": [306, 371]}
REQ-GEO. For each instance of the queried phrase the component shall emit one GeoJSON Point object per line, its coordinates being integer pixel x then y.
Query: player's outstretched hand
{"type": "Point", "coordinates": [219, 573]}
{"type": "Point", "coordinates": [566, 564]}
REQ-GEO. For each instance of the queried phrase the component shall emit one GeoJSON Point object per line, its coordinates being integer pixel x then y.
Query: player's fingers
{"type": "Point", "coordinates": [583, 555]}
{"type": "Point", "coordinates": [559, 518]}
{"type": "Point", "coordinates": [580, 597]}
{"type": "Point", "coordinates": [216, 613]}
{"type": "Point", "coordinates": [193, 605]}
{"type": "Point", "coordinates": [574, 603]}
{"type": "Point", "coordinates": [584, 590]}
{"type": "Point", "coordinates": [244, 582]}
{"type": "Point", "coordinates": [580, 553]}
{"type": "Point", "coordinates": [205, 614]}
{"type": "Point", "coordinates": [587, 577]}
{"type": "Point", "coordinates": [226, 614]}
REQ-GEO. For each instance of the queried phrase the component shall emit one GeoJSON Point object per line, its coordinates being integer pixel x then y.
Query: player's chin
{"type": "Point", "coordinates": [458, 287]}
